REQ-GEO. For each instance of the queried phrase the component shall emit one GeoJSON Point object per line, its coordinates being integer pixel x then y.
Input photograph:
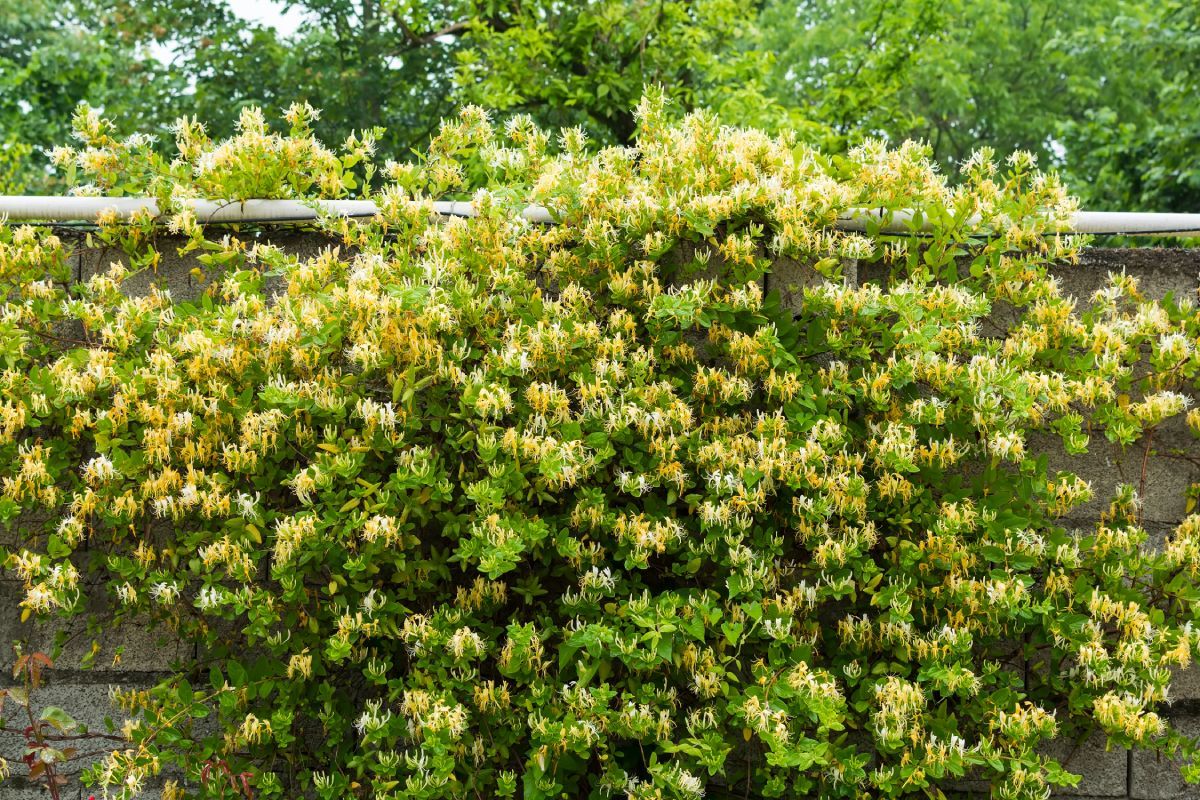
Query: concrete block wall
{"type": "Point", "coordinates": [1114, 772]}
{"type": "Point", "coordinates": [1107, 772]}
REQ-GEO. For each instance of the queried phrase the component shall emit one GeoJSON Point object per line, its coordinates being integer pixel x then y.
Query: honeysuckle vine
{"type": "Point", "coordinates": [467, 508]}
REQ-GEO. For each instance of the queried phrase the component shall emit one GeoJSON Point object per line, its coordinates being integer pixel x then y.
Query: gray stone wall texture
{"type": "Point", "coordinates": [135, 656]}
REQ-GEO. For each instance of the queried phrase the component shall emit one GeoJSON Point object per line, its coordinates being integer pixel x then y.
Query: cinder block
{"type": "Point", "coordinates": [145, 649]}
{"type": "Point", "coordinates": [17, 788]}
{"type": "Point", "coordinates": [1105, 770]}
{"type": "Point", "coordinates": [1106, 465]}
{"type": "Point", "coordinates": [35, 522]}
{"type": "Point", "coordinates": [1154, 776]}
{"type": "Point", "coordinates": [174, 271]}
{"type": "Point", "coordinates": [968, 788]}
{"type": "Point", "coordinates": [791, 277]}
{"type": "Point", "coordinates": [87, 704]}
{"type": "Point", "coordinates": [1185, 683]}
{"type": "Point", "coordinates": [1159, 271]}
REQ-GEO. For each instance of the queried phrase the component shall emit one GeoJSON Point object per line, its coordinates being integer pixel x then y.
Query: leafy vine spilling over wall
{"type": "Point", "coordinates": [476, 507]}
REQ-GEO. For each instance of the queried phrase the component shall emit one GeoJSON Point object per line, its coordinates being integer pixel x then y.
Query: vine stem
{"type": "Point", "coordinates": [1145, 467]}
{"type": "Point", "coordinates": [64, 737]}
{"type": "Point", "coordinates": [66, 339]}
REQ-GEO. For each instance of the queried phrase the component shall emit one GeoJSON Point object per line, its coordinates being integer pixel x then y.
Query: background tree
{"type": "Point", "coordinates": [1137, 145]}
{"type": "Point", "coordinates": [367, 63]}
{"type": "Point", "coordinates": [1102, 90]}
{"type": "Point", "coordinates": [586, 63]}
{"type": "Point", "coordinates": [48, 62]}
{"type": "Point", "coordinates": [957, 74]}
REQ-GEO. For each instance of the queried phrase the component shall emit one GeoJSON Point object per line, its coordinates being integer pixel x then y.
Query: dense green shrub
{"type": "Point", "coordinates": [476, 506]}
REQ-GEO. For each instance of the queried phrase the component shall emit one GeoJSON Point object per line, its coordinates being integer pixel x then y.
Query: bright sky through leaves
{"type": "Point", "coordinates": [270, 14]}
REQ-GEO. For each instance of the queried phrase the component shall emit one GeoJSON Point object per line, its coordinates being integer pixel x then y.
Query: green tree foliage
{"type": "Point", "coordinates": [1138, 144]}
{"type": "Point", "coordinates": [586, 63]}
{"type": "Point", "coordinates": [405, 65]}
{"type": "Point", "coordinates": [401, 66]}
{"type": "Point", "coordinates": [958, 75]}
{"type": "Point", "coordinates": [47, 65]}
{"type": "Point", "coordinates": [1099, 90]}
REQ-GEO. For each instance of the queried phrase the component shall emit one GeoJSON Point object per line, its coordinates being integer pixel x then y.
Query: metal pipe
{"type": "Point", "coordinates": [1128, 223]}
{"type": "Point", "coordinates": [86, 209]}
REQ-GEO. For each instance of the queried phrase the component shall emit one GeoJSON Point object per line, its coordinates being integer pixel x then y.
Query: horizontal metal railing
{"type": "Point", "coordinates": [18, 208]}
